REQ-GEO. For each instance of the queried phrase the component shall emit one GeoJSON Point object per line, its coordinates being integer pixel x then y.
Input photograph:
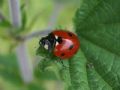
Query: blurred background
{"type": "Point", "coordinates": [22, 24]}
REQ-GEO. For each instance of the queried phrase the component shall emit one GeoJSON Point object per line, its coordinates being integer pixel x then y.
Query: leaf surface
{"type": "Point", "coordinates": [97, 25]}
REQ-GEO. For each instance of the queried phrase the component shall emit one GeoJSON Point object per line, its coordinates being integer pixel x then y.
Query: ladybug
{"type": "Point", "coordinates": [63, 44]}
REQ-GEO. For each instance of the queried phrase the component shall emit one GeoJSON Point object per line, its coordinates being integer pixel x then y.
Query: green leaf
{"type": "Point", "coordinates": [35, 87]}
{"type": "Point", "coordinates": [1, 3]}
{"type": "Point", "coordinates": [78, 72]}
{"type": "Point", "coordinates": [9, 69]}
{"type": "Point", "coordinates": [5, 23]}
{"type": "Point", "coordinates": [34, 20]}
{"type": "Point", "coordinates": [10, 75]}
{"type": "Point", "coordinates": [24, 16]}
{"type": "Point", "coordinates": [60, 70]}
{"type": "Point", "coordinates": [97, 25]}
{"type": "Point", "coordinates": [44, 53]}
{"type": "Point", "coordinates": [95, 80]}
{"type": "Point", "coordinates": [65, 75]}
{"type": "Point", "coordinates": [66, 1]}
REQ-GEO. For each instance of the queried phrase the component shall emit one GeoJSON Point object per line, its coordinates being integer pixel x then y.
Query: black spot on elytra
{"type": "Point", "coordinates": [71, 47]}
{"type": "Point", "coordinates": [62, 54]}
{"type": "Point", "coordinates": [70, 34]}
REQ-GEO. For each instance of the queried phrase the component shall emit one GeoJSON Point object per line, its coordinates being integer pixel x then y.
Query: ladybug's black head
{"type": "Point", "coordinates": [48, 42]}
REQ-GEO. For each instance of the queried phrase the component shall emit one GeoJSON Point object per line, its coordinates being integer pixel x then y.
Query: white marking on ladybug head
{"type": "Point", "coordinates": [56, 37]}
{"type": "Point", "coordinates": [46, 46]}
{"type": "Point", "coordinates": [56, 43]}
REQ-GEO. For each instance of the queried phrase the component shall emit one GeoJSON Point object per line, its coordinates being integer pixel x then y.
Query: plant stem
{"type": "Point", "coordinates": [51, 24]}
{"type": "Point", "coordinates": [54, 16]}
{"type": "Point", "coordinates": [15, 13]}
{"type": "Point", "coordinates": [36, 34]}
{"type": "Point", "coordinates": [25, 66]}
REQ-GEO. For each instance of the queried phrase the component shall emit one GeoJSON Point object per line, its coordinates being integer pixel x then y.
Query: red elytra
{"type": "Point", "coordinates": [69, 45]}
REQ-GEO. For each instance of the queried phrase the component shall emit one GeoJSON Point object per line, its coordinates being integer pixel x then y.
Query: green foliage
{"type": "Point", "coordinates": [1, 2]}
{"type": "Point", "coordinates": [24, 16]}
{"type": "Point", "coordinates": [67, 1]}
{"type": "Point", "coordinates": [53, 63]}
{"type": "Point", "coordinates": [44, 53]}
{"type": "Point", "coordinates": [5, 23]}
{"type": "Point", "coordinates": [96, 66]}
{"type": "Point", "coordinates": [9, 71]}
{"type": "Point", "coordinates": [78, 72]}
{"type": "Point", "coordinates": [95, 81]}
{"type": "Point", "coordinates": [97, 25]}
